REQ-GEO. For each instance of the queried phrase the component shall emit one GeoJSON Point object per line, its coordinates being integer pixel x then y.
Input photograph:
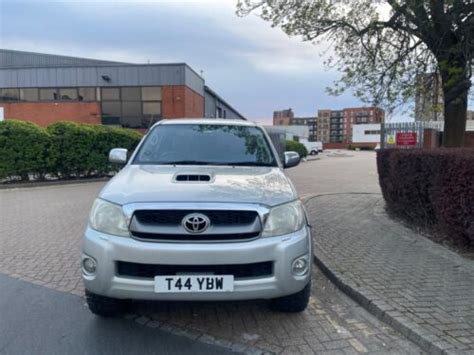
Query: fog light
{"type": "Point", "coordinates": [89, 265]}
{"type": "Point", "coordinates": [300, 266]}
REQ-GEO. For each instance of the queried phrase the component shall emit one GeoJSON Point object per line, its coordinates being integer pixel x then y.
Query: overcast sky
{"type": "Point", "coordinates": [256, 68]}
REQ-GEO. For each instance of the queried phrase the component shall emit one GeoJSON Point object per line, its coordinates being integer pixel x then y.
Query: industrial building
{"type": "Point", "coordinates": [287, 118]}
{"type": "Point", "coordinates": [45, 88]}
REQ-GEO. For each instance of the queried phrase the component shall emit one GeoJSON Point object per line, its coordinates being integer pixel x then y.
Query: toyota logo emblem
{"type": "Point", "coordinates": [196, 223]}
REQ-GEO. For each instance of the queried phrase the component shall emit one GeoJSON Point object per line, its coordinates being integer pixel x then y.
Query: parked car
{"type": "Point", "coordinates": [313, 148]}
{"type": "Point", "coordinates": [201, 211]}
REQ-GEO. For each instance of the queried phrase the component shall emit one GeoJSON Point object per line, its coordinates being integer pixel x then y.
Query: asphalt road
{"type": "Point", "coordinates": [37, 320]}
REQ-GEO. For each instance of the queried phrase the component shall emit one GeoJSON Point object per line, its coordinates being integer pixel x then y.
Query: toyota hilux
{"type": "Point", "coordinates": [201, 211]}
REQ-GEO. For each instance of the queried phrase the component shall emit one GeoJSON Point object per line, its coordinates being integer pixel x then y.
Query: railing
{"type": "Point", "coordinates": [405, 134]}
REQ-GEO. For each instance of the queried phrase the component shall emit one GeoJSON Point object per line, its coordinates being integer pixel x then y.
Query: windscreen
{"type": "Point", "coordinates": [198, 144]}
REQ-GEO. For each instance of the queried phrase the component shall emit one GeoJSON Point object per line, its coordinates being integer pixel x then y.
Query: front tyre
{"type": "Point", "coordinates": [297, 302]}
{"type": "Point", "coordinates": [105, 306]}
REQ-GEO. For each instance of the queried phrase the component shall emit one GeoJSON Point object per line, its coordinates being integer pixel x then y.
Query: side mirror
{"type": "Point", "coordinates": [118, 156]}
{"type": "Point", "coordinates": [291, 159]}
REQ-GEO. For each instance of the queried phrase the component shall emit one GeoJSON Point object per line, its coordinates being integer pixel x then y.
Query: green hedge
{"type": "Point", "coordinates": [297, 147]}
{"type": "Point", "coordinates": [24, 149]}
{"type": "Point", "coordinates": [64, 149]}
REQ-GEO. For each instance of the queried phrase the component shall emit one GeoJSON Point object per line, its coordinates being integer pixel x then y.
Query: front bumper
{"type": "Point", "coordinates": [282, 251]}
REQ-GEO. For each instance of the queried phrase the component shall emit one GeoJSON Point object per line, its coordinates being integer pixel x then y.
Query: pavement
{"type": "Point", "coordinates": [40, 234]}
{"type": "Point", "coordinates": [38, 320]}
{"type": "Point", "coordinates": [420, 288]}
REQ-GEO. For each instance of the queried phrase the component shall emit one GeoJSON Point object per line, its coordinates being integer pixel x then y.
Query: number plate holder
{"type": "Point", "coordinates": [194, 283]}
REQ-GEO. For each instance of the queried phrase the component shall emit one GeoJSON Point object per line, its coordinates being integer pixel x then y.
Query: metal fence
{"type": "Point", "coordinates": [405, 134]}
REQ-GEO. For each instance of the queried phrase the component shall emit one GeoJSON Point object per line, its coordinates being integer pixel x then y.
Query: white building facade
{"type": "Point", "coordinates": [366, 133]}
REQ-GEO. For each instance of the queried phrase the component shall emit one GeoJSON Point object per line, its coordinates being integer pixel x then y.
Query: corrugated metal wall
{"type": "Point", "coordinates": [212, 102]}
{"type": "Point", "coordinates": [123, 75]}
{"type": "Point", "coordinates": [194, 81]}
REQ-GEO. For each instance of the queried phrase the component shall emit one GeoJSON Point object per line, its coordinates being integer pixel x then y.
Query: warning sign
{"type": "Point", "coordinates": [391, 139]}
{"type": "Point", "coordinates": [406, 138]}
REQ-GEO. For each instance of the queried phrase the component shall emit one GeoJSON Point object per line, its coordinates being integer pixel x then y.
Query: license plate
{"type": "Point", "coordinates": [194, 283]}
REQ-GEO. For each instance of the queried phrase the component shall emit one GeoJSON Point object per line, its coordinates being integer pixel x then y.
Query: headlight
{"type": "Point", "coordinates": [108, 218]}
{"type": "Point", "coordinates": [284, 219]}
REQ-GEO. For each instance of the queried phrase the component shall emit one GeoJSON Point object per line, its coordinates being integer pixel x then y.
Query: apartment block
{"type": "Point", "coordinates": [287, 118]}
{"type": "Point", "coordinates": [283, 117]}
{"type": "Point", "coordinates": [335, 126]}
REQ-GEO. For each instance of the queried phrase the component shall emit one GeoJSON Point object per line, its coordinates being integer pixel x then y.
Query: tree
{"type": "Point", "coordinates": [383, 48]}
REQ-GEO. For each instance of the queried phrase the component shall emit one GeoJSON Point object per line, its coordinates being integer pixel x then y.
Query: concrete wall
{"type": "Point", "coordinates": [360, 133]}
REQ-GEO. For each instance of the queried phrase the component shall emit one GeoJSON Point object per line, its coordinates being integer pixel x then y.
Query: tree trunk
{"type": "Point", "coordinates": [455, 121]}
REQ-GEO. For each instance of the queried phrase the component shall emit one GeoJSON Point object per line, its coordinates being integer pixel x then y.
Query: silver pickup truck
{"type": "Point", "coordinates": [202, 210]}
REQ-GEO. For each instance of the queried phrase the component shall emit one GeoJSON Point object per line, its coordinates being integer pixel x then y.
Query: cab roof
{"type": "Point", "coordinates": [206, 121]}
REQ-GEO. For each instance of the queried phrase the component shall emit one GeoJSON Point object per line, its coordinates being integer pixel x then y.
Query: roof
{"type": "Point", "coordinates": [207, 121]}
{"type": "Point", "coordinates": [10, 58]}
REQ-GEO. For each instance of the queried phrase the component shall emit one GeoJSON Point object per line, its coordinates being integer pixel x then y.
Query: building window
{"type": "Point", "coordinates": [111, 108]}
{"type": "Point", "coordinates": [131, 94]}
{"type": "Point", "coordinates": [48, 94]}
{"type": "Point", "coordinates": [68, 94]}
{"type": "Point", "coordinates": [9, 95]}
{"type": "Point", "coordinates": [151, 93]}
{"type": "Point", "coordinates": [87, 94]}
{"type": "Point", "coordinates": [152, 108]}
{"type": "Point", "coordinates": [110, 94]}
{"type": "Point", "coordinates": [29, 95]}
{"type": "Point", "coordinates": [133, 106]}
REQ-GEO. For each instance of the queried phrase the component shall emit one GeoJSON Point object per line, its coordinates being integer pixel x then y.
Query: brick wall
{"type": "Point", "coordinates": [180, 101]}
{"type": "Point", "coordinates": [430, 138]}
{"type": "Point", "coordinates": [281, 121]}
{"type": "Point", "coordinates": [194, 104]}
{"type": "Point", "coordinates": [334, 145]}
{"type": "Point", "coordinates": [46, 113]}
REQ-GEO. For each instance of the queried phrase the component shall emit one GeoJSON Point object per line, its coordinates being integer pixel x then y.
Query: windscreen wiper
{"type": "Point", "coordinates": [249, 163]}
{"type": "Point", "coordinates": [185, 162]}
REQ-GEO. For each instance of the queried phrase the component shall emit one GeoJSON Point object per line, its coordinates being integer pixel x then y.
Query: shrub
{"type": "Point", "coordinates": [431, 188]}
{"type": "Point", "coordinates": [82, 150]}
{"type": "Point", "coordinates": [64, 149]}
{"type": "Point", "coordinates": [72, 149]}
{"type": "Point", "coordinates": [297, 147]}
{"type": "Point", "coordinates": [108, 138]}
{"type": "Point", "coordinates": [24, 150]}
